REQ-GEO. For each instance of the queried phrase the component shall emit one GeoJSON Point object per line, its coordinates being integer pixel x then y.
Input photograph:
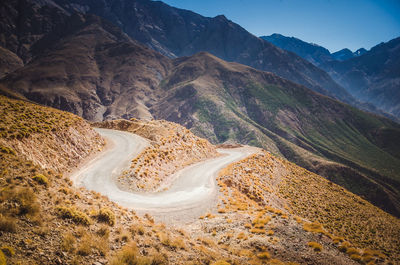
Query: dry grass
{"type": "Point", "coordinates": [107, 216]}
{"type": "Point", "coordinates": [86, 245]}
{"type": "Point", "coordinates": [264, 255]}
{"type": "Point", "coordinates": [316, 246]}
{"type": "Point", "coordinates": [68, 242]}
{"type": "Point", "coordinates": [41, 179]}
{"type": "Point", "coordinates": [8, 224]}
{"type": "Point", "coordinates": [220, 262]}
{"type": "Point", "coordinates": [3, 260]}
{"type": "Point", "coordinates": [74, 214]}
{"type": "Point", "coordinates": [8, 251]}
{"type": "Point", "coordinates": [24, 200]}
{"type": "Point", "coordinates": [129, 255]}
{"type": "Point", "coordinates": [336, 213]}
{"type": "Point", "coordinates": [20, 120]}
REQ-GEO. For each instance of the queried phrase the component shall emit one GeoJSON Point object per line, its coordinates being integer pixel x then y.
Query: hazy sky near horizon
{"type": "Point", "coordinates": [333, 24]}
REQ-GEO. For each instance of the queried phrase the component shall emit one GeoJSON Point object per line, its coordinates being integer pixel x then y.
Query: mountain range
{"type": "Point", "coordinates": [171, 31]}
{"type": "Point", "coordinates": [168, 78]}
{"type": "Point", "coordinates": [312, 52]}
{"type": "Point", "coordinates": [85, 64]}
{"type": "Point", "coordinates": [369, 76]}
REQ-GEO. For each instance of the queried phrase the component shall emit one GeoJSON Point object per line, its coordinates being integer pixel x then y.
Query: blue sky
{"type": "Point", "coordinates": [334, 24]}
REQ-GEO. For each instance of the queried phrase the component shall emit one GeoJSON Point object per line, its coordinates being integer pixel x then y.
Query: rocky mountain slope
{"type": "Point", "coordinates": [47, 220]}
{"type": "Point", "coordinates": [313, 53]}
{"type": "Point", "coordinates": [346, 54]}
{"type": "Point", "coordinates": [93, 70]}
{"type": "Point", "coordinates": [171, 31]}
{"type": "Point", "coordinates": [227, 101]}
{"type": "Point", "coordinates": [25, 22]}
{"type": "Point", "coordinates": [373, 77]}
{"type": "Point", "coordinates": [369, 76]}
{"type": "Point", "coordinates": [112, 76]}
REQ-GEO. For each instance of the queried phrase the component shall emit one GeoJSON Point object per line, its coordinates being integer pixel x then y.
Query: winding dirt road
{"type": "Point", "coordinates": [194, 187]}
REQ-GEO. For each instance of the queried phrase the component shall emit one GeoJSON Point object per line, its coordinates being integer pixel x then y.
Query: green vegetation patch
{"type": "Point", "coordinates": [209, 112]}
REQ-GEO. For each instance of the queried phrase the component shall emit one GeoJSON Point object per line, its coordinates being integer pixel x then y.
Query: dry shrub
{"type": "Point", "coordinates": [41, 179]}
{"type": "Point", "coordinates": [101, 244]}
{"type": "Point", "coordinates": [3, 260]}
{"type": "Point", "coordinates": [316, 246]}
{"type": "Point", "coordinates": [85, 246]}
{"type": "Point", "coordinates": [68, 242]}
{"type": "Point", "coordinates": [126, 256]}
{"type": "Point", "coordinates": [355, 257]}
{"type": "Point", "coordinates": [264, 255]}
{"type": "Point", "coordinates": [178, 243]}
{"type": "Point", "coordinates": [221, 262]}
{"type": "Point", "coordinates": [8, 251]}
{"type": "Point", "coordinates": [107, 216]}
{"type": "Point", "coordinates": [74, 214]}
{"type": "Point", "coordinates": [24, 199]}
{"type": "Point", "coordinates": [103, 231]}
{"type": "Point", "coordinates": [8, 224]}
{"type": "Point", "coordinates": [313, 227]}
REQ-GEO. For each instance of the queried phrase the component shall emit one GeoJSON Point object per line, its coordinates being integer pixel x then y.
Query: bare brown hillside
{"type": "Point", "coordinates": [89, 67]}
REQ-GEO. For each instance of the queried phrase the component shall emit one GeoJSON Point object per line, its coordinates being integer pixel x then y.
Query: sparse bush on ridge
{"type": "Point", "coordinates": [68, 242]}
{"type": "Point", "coordinates": [74, 214]}
{"type": "Point", "coordinates": [8, 224]}
{"type": "Point", "coordinates": [24, 200]}
{"type": "Point", "coordinates": [3, 260]}
{"type": "Point", "coordinates": [221, 262]}
{"type": "Point", "coordinates": [85, 245]}
{"type": "Point", "coordinates": [8, 251]}
{"type": "Point", "coordinates": [22, 119]}
{"type": "Point", "coordinates": [41, 179]}
{"type": "Point", "coordinates": [126, 256]}
{"type": "Point", "coordinates": [264, 255]}
{"type": "Point", "coordinates": [316, 246]}
{"type": "Point", "coordinates": [107, 216]}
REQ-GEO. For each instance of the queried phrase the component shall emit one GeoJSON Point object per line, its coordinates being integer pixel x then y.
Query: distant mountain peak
{"type": "Point", "coordinates": [343, 54]}
{"type": "Point", "coordinates": [221, 17]}
{"type": "Point", "coordinates": [360, 51]}
{"type": "Point", "coordinates": [309, 51]}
